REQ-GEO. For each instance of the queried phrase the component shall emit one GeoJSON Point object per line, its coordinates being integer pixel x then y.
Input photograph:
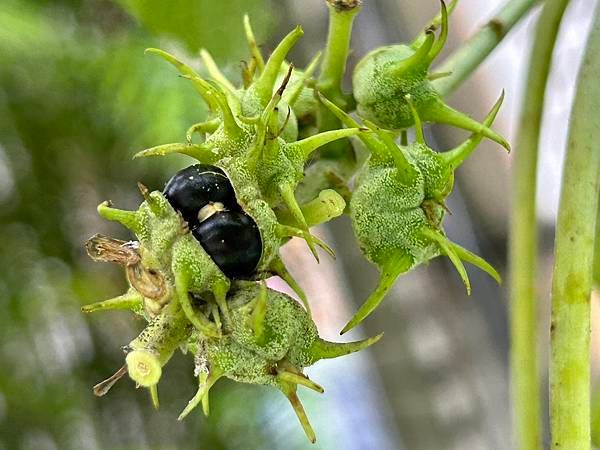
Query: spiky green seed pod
{"type": "Point", "coordinates": [245, 139]}
{"type": "Point", "coordinates": [268, 339]}
{"type": "Point", "coordinates": [247, 333]}
{"type": "Point", "coordinates": [384, 77]}
{"type": "Point", "coordinates": [398, 205]}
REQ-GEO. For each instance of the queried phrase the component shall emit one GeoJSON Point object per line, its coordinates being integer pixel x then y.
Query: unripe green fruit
{"type": "Point", "coordinates": [387, 216]}
{"type": "Point", "coordinates": [268, 339]}
{"type": "Point", "coordinates": [380, 95]}
{"type": "Point", "coordinates": [273, 353]}
{"type": "Point", "coordinates": [385, 78]}
{"type": "Point", "coordinates": [398, 205]}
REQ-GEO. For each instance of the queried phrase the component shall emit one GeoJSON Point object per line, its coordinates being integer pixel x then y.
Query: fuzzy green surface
{"type": "Point", "coordinates": [287, 119]}
{"type": "Point", "coordinates": [306, 104]}
{"type": "Point", "coordinates": [288, 335]}
{"type": "Point", "coordinates": [380, 93]}
{"type": "Point", "coordinates": [190, 258]}
{"type": "Point", "coordinates": [286, 325]}
{"type": "Point", "coordinates": [283, 164]}
{"type": "Point", "coordinates": [157, 231]}
{"type": "Point", "coordinates": [164, 334]}
{"type": "Point", "coordinates": [252, 107]}
{"type": "Point", "coordinates": [223, 145]}
{"type": "Point", "coordinates": [249, 197]}
{"type": "Point", "coordinates": [439, 179]}
{"type": "Point", "coordinates": [387, 216]}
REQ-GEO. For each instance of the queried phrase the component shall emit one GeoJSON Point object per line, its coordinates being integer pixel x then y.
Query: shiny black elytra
{"type": "Point", "coordinates": [194, 187]}
{"type": "Point", "coordinates": [232, 240]}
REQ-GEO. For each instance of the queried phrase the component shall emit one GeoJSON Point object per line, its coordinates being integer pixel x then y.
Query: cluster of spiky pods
{"type": "Point", "coordinates": [205, 245]}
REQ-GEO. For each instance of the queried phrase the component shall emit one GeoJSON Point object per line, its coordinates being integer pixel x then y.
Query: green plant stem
{"type": "Point", "coordinates": [333, 68]}
{"type": "Point", "coordinates": [463, 62]}
{"type": "Point", "coordinates": [597, 250]}
{"type": "Point", "coordinates": [525, 385]}
{"type": "Point", "coordinates": [574, 253]}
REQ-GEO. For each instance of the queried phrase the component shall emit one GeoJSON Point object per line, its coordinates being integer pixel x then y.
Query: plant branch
{"type": "Point", "coordinates": [597, 249]}
{"type": "Point", "coordinates": [333, 68]}
{"type": "Point", "coordinates": [574, 253]}
{"type": "Point", "coordinates": [467, 58]}
{"type": "Point", "coordinates": [525, 385]}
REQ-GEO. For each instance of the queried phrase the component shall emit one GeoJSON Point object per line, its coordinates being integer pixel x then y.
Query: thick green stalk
{"type": "Point", "coordinates": [463, 62]}
{"type": "Point", "coordinates": [525, 385]}
{"type": "Point", "coordinates": [574, 253]}
{"type": "Point", "coordinates": [597, 250]}
{"type": "Point", "coordinates": [333, 68]}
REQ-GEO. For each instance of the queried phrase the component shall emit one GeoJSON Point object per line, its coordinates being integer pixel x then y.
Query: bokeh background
{"type": "Point", "coordinates": [78, 98]}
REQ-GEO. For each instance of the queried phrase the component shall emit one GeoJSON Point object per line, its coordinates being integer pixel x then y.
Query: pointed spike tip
{"type": "Point", "coordinates": [440, 112]}
{"type": "Point", "coordinates": [322, 349]}
{"type": "Point", "coordinates": [154, 396]}
{"type": "Point", "coordinates": [458, 155]}
{"type": "Point", "coordinates": [264, 85]}
{"type": "Point", "coordinates": [290, 393]}
{"type": "Point", "coordinates": [421, 54]}
{"type": "Point", "coordinates": [390, 270]}
{"type": "Point", "coordinates": [143, 190]}
{"type": "Point", "coordinates": [129, 219]}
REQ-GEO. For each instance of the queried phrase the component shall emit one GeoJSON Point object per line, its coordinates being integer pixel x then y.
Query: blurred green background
{"type": "Point", "coordinates": [78, 98]}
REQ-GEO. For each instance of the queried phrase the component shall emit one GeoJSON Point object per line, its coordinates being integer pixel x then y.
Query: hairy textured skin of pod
{"type": "Point", "coordinates": [288, 330]}
{"type": "Point", "coordinates": [387, 216]}
{"type": "Point", "coordinates": [288, 333]}
{"type": "Point", "coordinates": [380, 96]}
